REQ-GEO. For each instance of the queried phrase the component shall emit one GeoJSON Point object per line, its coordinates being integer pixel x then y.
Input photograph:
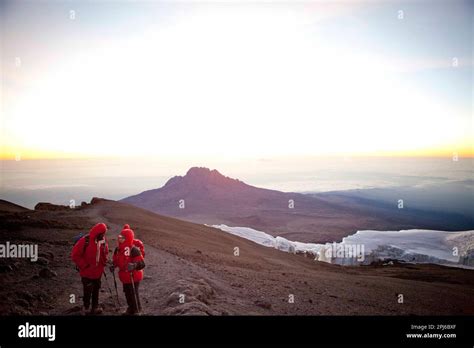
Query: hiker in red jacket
{"type": "Point", "coordinates": [90, 255]}
{"type": "Point", "coordinates": [129, 260]}
{"type": "Point", "coordinates": [137, 242]}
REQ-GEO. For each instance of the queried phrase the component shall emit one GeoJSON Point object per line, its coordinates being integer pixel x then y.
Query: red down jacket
{"type": "Point", "coordinates": [91, 259]}
{"type": "Point", "coordinates": [137, 242]}
{"type": "Point", "coordinates": [124, 255]}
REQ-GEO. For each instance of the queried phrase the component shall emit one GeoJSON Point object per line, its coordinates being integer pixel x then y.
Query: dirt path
{"type": "Point", "coordinates": [171, 285]}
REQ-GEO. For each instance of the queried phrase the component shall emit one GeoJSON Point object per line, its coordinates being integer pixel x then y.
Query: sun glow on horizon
{"type": "Point", "coordinates": [221, 81]}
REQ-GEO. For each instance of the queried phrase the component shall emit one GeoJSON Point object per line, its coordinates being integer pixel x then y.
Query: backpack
{"type": "Point", "coordinates": [137, 252]}
{"type": "Point", "coordinates": [139, 244]}
{"type": "Point", "coordinates": [86, 243]}
{"type": "Point", "coordinates": [134, 252]}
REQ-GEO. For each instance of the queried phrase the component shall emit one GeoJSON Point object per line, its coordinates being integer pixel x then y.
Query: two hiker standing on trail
{"type": "Point", "coordinates": [90, 254]}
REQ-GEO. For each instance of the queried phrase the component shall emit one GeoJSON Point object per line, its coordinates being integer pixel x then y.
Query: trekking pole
{"type": "Point", "coordinates": [116, 291]}
{"type": "Point", "coordinates": [135, 295]}
{"type": "Point", "coordinates": [108, 286]}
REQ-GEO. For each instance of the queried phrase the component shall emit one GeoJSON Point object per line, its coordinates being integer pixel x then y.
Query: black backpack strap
{"type": "Point", "coordinates": [140, 265]}
{"type": "Point", "coordinates": [135, 252]}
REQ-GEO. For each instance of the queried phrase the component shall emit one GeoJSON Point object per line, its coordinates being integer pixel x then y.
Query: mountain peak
{"type": "Point", "coordinates": [198, 176]}
{"type": "Point", "coordinates": [202, 172]}
{"type": "Point", "coordinates": [203, 175]}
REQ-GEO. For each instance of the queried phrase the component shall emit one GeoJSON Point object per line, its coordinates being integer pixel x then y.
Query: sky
{"type": "Point", "coordinates": [226, 79]}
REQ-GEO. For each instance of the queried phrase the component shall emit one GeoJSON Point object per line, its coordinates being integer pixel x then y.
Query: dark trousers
{"type": "Point", "coordinates": [133, 299]}
{"type": "Point", "coordinates": [91, 290]}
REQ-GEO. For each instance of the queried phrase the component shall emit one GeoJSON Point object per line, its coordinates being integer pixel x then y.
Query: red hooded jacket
{"type": "Point", "coordinates": [137, 242]}
{"type": "Point", "coordinates": [91, 260]}
{"type": "Point", "coordinates": [124, 255]}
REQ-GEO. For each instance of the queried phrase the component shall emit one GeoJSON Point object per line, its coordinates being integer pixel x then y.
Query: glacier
{"type": "Point", "coordinates": [415, 246]}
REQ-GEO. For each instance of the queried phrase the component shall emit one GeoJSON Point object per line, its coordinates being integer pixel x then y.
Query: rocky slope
{"type": "Point", "coordinates": [201, 263]}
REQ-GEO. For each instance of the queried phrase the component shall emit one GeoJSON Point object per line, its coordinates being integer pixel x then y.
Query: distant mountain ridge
{"type": "Point", "coordinates": [207, 196]}
{"type": "Point", "coordinates": [7, 206]}
{"type": "Point", "coordinates": [202, 188]}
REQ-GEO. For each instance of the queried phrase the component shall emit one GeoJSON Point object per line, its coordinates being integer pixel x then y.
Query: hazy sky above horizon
{"type": "Point", "coordinates": [225, 79]}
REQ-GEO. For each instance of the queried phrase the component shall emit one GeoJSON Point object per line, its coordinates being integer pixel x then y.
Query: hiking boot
{"type": "Point", "coordinates": [129, 311]}
{"type": "Point", "coordinates": [96, 311]}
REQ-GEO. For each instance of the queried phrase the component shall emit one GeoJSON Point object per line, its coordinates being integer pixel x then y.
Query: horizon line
{"type": "Point", "coordinates": [411, 154]}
